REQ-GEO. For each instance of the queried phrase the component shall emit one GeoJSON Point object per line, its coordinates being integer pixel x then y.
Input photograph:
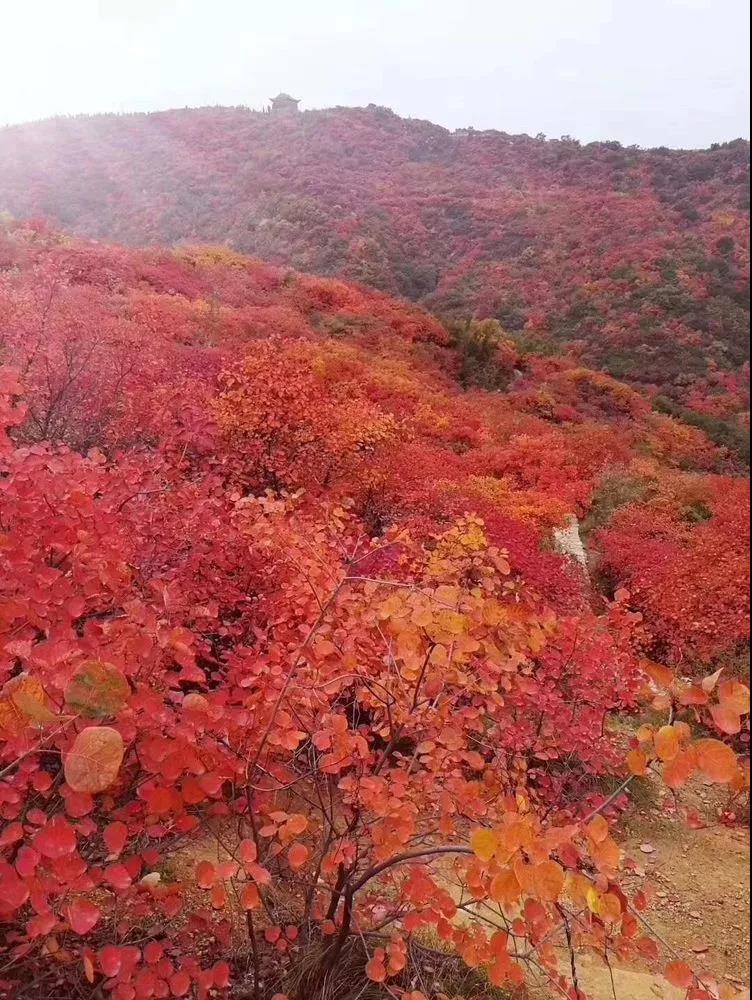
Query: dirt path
{"type": "Point", "coordinates": [701, 902]}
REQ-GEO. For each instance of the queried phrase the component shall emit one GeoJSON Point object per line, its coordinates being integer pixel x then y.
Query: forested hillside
{"type": "Point", "coordinates": [299, 696]}
{"type": "Point", "coordinates": [635, 261]}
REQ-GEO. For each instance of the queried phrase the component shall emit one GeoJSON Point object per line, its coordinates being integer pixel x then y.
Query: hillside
{"type": "Point", "coordinates": [634, 261]}
{"type": "Point", "coordinates": [283, 616]}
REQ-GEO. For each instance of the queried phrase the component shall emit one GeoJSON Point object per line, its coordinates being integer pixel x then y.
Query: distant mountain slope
{"type": "Point", "coordinates": [637, 261]}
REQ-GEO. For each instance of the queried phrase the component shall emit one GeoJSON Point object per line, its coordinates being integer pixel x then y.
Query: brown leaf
{"type": "Point", "coordinates": [97, 690]}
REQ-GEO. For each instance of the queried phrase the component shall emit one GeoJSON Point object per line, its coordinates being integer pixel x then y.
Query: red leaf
{"type": "Point", "coordinates": [680, 975]}
{"type": "Point", "coordinates": [110, 959]}
{"type": "Point", "coordinates": [82, 915]}
{"type": "Point", "coordinates": [12, 833]}
{"type": "Point", "coordinates": [376, 971]}
{"type": "Point", "coordinates": [247, 851]}
{"type": "Point", "coordinates": [206, 875]}
{"type": "Point", "coordinates": [117, 876]}
{"type": "Point", "coordinates": [56, 840]}
{"type": "Point", "coordinates": [180, 983]}
{"type": "Point", "coordinates": [13, 892]}
{"type": "Point", "coordinates": [297, 856]}
{"type": "Point", "coordinates": [221, 975]}
{"type": "Point", "coordinates": [115, 835]}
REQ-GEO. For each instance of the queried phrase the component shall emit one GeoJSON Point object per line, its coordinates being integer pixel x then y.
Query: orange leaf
{"type": "Point", "coordinates": [250, 898]}
{"type": "Point", "coordinates": [28, 695]}
{"type": "Point", "coordinates": [610, 907]}
{"type": "Point", "coordinates": [684, 731]}
{"type": "Point", "coordinates": [548, 880]}
{"type": "Point", "coordinates": [716, 761]}
{"type": "Point", "coordinates": [484, 844]}
{"type": "Point", "coordinates": [726, 718]}
{"type": "Point", "coordinates": [637, 762]}
{"type": "Point", "coordinates": [297, 856]}
{"type": "Point", "coordinates": [296, 824]}
{"type": "Point", "coordinates": [498, 972]}
{"type": "Point", "coordinates": [88, 967]}
{"type": "Point", "coordinates": [606, 855]}
{"type": "Point", "coordinates": [667, 743]}
{"type": "Point", "coordinates": [598, 829]}
{"type": "Point", "coordinates": [11, 721]}
{"type": "Point", "coordinates": [376, 971]}
{"type": "Point", "coordinates": [505, 887]}
{"type": "Point", "coordinates": [735, 696]}
{"type": "Point", "coordinates": [679, 770]}
{"type": "Point", "coordinates": [693, 695]}
{"type": "Point", "coordinates": [659, 674]}
{"type": "Point", "coordinates": [680, 975]}
{"type": "Point", "coordinates": [93, 762]}
{"type": "Point", "coordinates": [195, 702]}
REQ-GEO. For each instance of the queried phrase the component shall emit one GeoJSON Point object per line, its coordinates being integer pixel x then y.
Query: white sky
{"type": "Point", "coordinates": [653, 72]}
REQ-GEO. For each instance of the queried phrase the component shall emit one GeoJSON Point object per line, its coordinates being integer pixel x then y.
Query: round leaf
{"type": "Point", "coordinates": [82, 915]}
{"type": "Point", "coordinates": [484, 844]}
{"type": "Point", "coordinates": [94, 760]}
{"type": "Point", "coordinates": [28, 696]}
{"type": "Point", "coordinates": [726, 718]}
{"type": "Point", "coordinates": [680, 975]}
{"type": "Point", "coordinates": [716, 761]}
{"type": "Point", "coordinates": [97, 690]}
{"type": "Point", "coordinates": [297, 856]}
{"type": "Point", "coordinates": [667, 743]}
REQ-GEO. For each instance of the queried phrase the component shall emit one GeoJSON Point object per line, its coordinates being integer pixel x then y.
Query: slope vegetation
{"type": "Point", "coordinates": [287, 651]}
{"type": "Point", "coordinates": [635, 261]}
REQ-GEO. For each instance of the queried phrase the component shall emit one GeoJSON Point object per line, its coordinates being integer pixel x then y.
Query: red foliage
{"type": "Point", "coordinates": [636, 260]}
{"type": "Point", "coordinates": [282, 629]}
{"type": "Point", "coordinates": [686, 567]}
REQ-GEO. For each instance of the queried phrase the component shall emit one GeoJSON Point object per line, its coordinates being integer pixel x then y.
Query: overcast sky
{"type": "Point", "coordinates": [653, 72]}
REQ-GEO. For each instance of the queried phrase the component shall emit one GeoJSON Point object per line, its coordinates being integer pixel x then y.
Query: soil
{"type": "Point", "coordinates": [700, 905]}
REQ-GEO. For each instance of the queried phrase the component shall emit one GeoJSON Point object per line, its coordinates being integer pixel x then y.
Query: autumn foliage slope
{"type": "Point", "coordinates": [636, 261]}
{"type": "Point", "coordinates": [293, 675]}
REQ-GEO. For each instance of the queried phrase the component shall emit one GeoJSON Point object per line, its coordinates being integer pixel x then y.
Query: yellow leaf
{"type": "Point", "coordinates": [594, 900]}
{"type": "Point", "coordinates": [484, 844]}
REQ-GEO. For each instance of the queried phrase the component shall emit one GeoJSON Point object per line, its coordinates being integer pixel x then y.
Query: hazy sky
{"type": "Point", "coordinates": [653, 72]}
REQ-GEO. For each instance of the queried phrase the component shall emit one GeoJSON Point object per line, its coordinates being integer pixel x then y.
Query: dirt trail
{"type": "Point", "coordinates": [701, 902]}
